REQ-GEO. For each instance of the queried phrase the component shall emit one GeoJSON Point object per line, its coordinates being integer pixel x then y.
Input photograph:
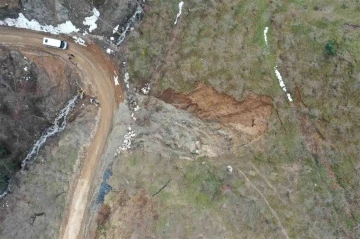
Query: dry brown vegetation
{"type": "Point", "coordinates": [131, 216]}
{"type": "Point", "coordinates": [103, 214]}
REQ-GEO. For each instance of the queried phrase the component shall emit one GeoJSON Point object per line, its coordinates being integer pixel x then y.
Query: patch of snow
{"type": "Point", "coordinates": [125, 30]}
{"type": "Point", "coordinates": [229, 169]}
{"type": "Point", "coordinates": [109, 51]}
{"type": "Point", "coordinates": [91, 21]}
{"type": "Point", "coordinates": [179, 13]}
{"type": "Point", "coordinates": [116, 79]}
{"type": "Point", "coordinates": [115, 29]}
{"type": "Point", "coordinates": [137, 108]}
{"type": "Point", "coordinates": [265, 37]}
{"type": "Point", "coordinates": [126, 145]}
{"type": "Point", "coordinates": [289, 97]}
{"type": "Point", "coordinates": [279, 77]}
{"type": "Point", "coordinates": [133, 117]}
{"type": "Point", "coordinates": [25, 68]}
{"type": "Point", "coordinates": [6, 204]}
{"type": "Point", "coordinates": [126, 79]}
{"type": "Point", "coordinates": [3, 194]}
{"type": "Point", "coordinates": [22, 22]}
{"type": "Point", "coordinates": [112, 38]}
{"type": "Point", "coordinates": [79, 41]}
{"type": "Point", "coordinates": [146, 89]}
{"type": "Point", "coordinates": [282, 84]}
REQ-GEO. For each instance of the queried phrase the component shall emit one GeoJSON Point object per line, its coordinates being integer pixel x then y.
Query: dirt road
{"type": "Point", "coordinates": [97, 72]}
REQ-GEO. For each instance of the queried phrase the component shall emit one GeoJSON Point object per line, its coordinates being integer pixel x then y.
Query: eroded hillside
{"type": "Point", "coordinates": [34, 87]}
{"type": "Point", "coordinates": [298, 177]}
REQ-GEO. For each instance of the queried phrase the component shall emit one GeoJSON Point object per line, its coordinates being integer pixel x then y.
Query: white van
{"type": "Point", "coordinates": [49, 42]}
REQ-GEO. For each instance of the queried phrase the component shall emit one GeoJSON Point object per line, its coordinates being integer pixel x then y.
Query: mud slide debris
{"type": "Point", "coordinates": [250, 115]}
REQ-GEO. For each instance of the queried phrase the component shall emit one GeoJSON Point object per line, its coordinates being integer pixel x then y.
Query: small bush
{"type": "Point", "coordinates": [330, 47]}
{"type": "Point", "coordinates": [3, 152]}
{"type": "Point", "coordinates": [103, 214]}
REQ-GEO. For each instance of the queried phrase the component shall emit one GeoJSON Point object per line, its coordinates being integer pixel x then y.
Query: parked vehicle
{"type": "Point", "coordinates": [49, 42]}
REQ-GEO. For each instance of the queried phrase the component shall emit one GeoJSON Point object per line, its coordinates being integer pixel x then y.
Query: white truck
{"type": "Point", "coordinates": [49, 42]}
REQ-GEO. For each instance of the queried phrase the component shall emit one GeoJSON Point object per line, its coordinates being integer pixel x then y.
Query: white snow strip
{"type": "Point", "coordinates": [116, 79]}
{"type": "Point", "coordinates": [91, 21]}
{"type": "Point", "coordinates": [282, 84]}
{"type": "Point", "coordinates": [126, 80]}
{"type": "Point", "coordinates": [3, 194]}
{"type": "Point", "coordinates": [58, 126]}
{"type": "Point", "coordinates": [79, 41]}
{"type": "Point", "coordinates": [22, 22]}
{"type": "Point", "coordinates": [109, 51]}
{"type": "Point", "coordinates": [289, 97]}
{"type": "Point", "coordinates": [25, 68]}
{"type": "Point", "coordinates": [115, 29]}
{"type": "Point", "coordinates": [265, 36]}
{"type": "Point", "coordinates": [179, 13]}
{"type": "Point", "coordinates": [125, 30]}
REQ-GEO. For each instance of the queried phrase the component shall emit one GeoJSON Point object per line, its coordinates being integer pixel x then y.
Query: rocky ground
{"type": "Point", "coordinates": [9, 8]}
{"type": "Point", "coordinates": [32, 93]}
{"type": "Point", "coordinates": [37, 205]}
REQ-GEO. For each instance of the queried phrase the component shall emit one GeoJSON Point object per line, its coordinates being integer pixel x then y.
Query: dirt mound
{"type": "Point", "coordinates": [250, 115]}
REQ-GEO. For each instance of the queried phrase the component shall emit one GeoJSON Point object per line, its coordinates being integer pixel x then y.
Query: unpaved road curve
{"type": "Point", "coordinates": [97, 72]}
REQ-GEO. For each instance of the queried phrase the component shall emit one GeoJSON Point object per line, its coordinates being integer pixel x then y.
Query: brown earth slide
{"type": "Point", "coordinates": [250, 115]}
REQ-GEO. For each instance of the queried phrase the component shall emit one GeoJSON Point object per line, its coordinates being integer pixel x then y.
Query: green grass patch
{"type": "Point", "coordinates": [202, 185]}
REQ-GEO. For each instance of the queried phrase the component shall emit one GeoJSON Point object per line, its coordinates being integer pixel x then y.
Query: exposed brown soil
{"type": "Point", "coordinates": [350, 27]}
{"type": "Point", "coordinates": [250, 115]}
{"type": "Point", "coordinates": [105, 61]}
{"type": "Point", "coordinates": [56, 68]}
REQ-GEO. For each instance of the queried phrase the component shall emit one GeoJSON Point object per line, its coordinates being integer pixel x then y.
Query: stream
{"type": "Point", "coordinates": [58, 126]}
